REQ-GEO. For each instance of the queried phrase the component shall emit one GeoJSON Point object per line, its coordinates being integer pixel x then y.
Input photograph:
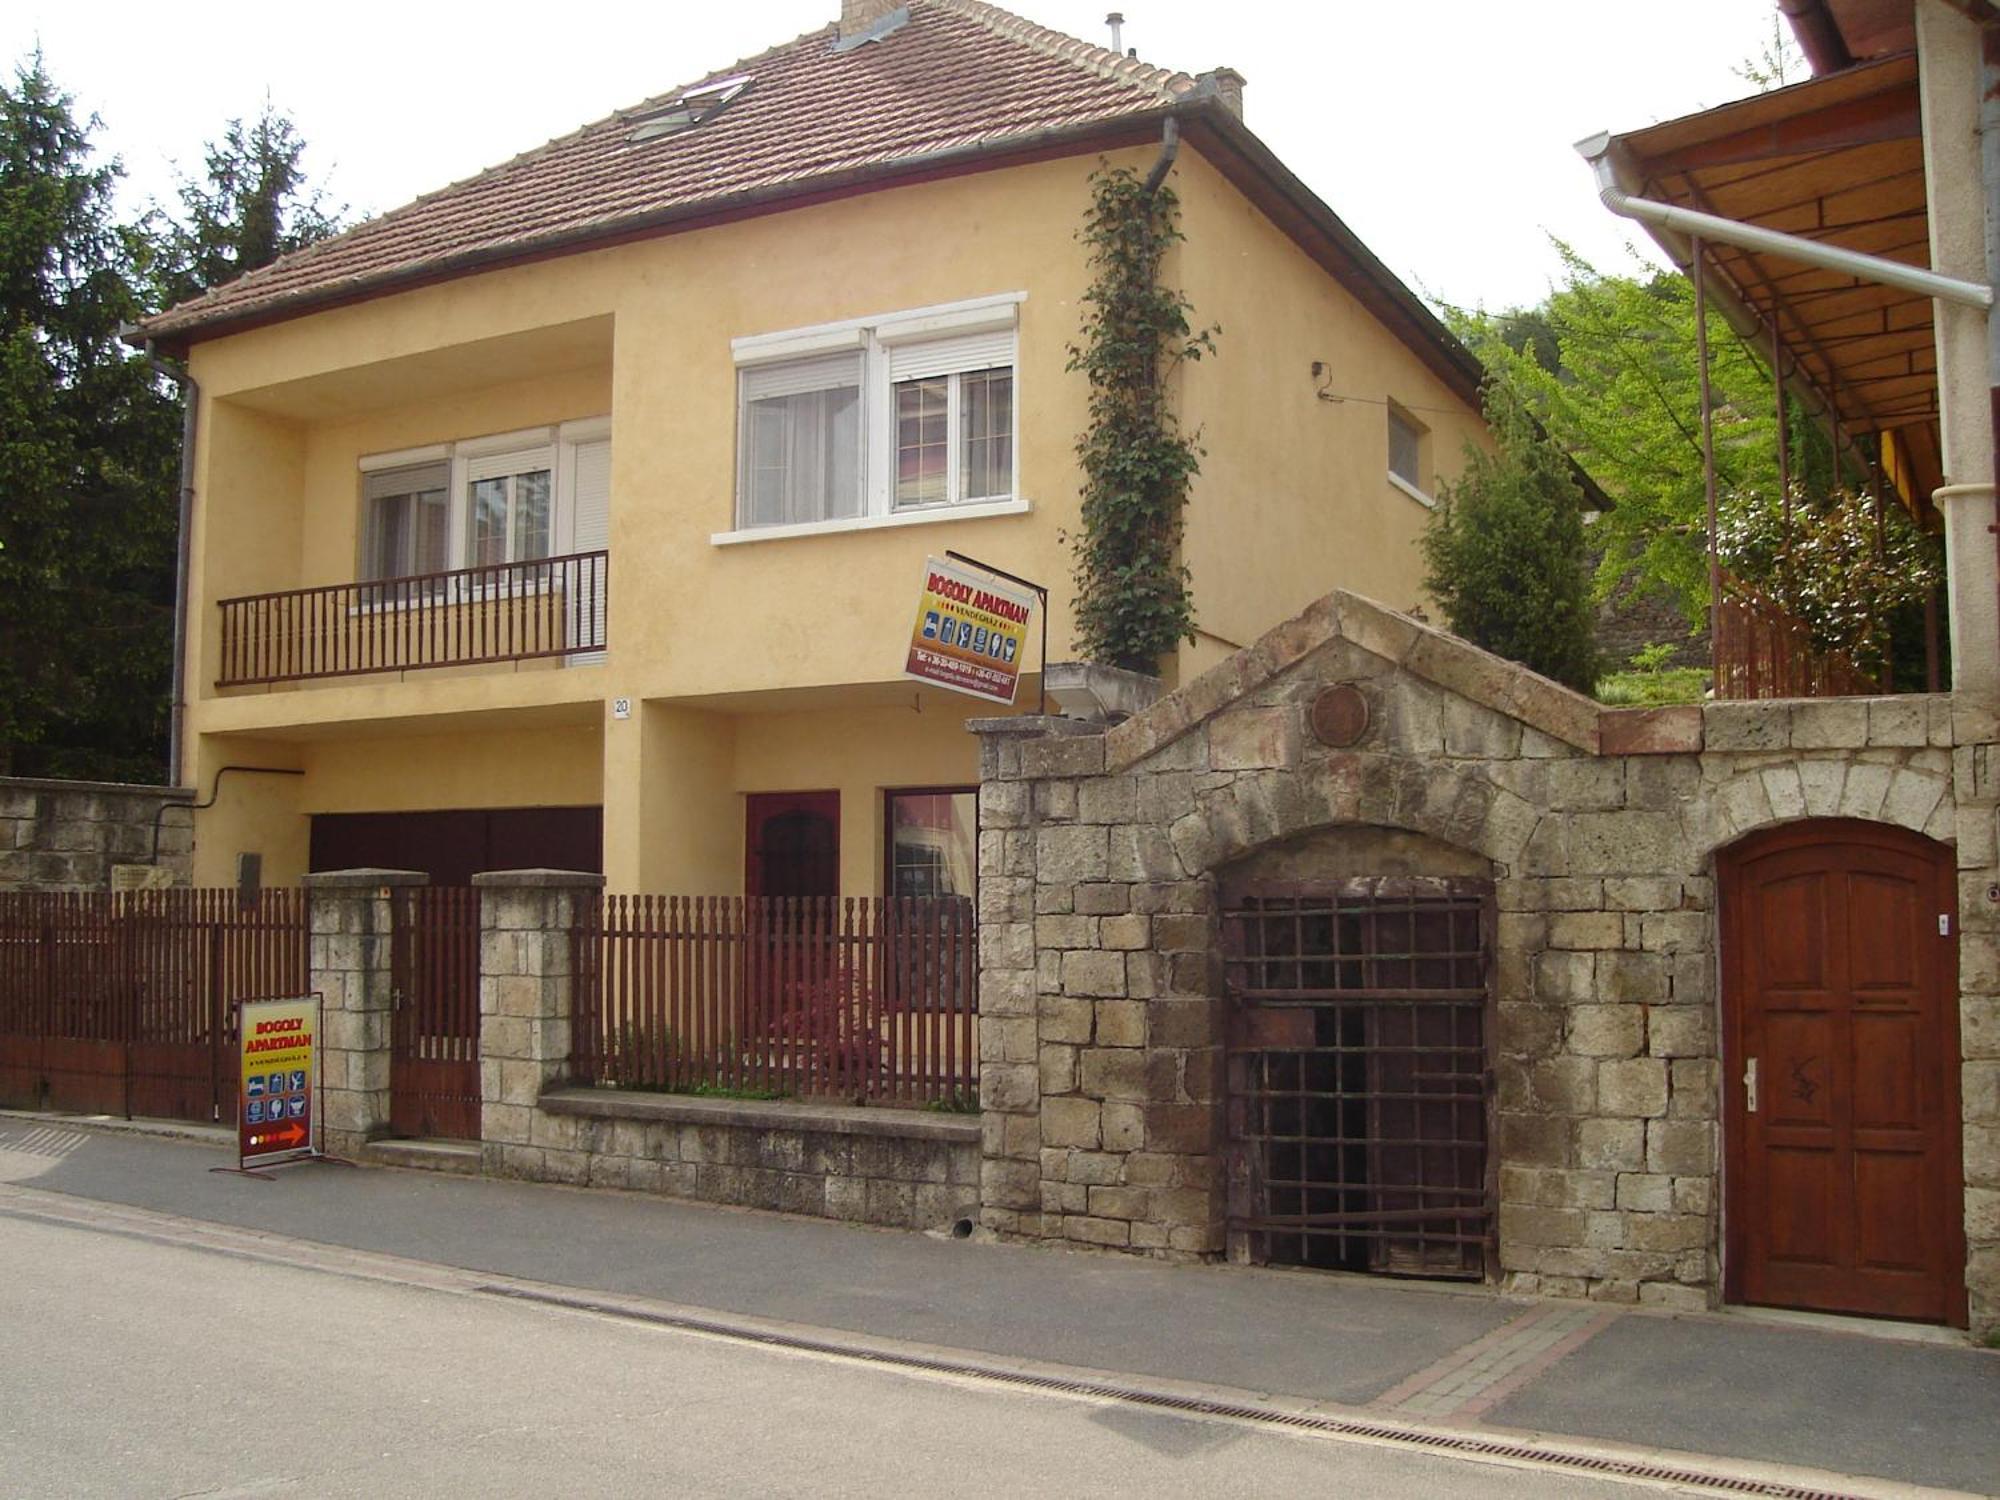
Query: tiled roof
{"type": "Point", "coordinates": [958, 75]}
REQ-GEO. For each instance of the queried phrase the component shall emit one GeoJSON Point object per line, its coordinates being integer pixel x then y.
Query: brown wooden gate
{"type": "Point", "coordinates": [1360, 1088]}
{"type": "Point", "coordinates": [1844, 1186]}
{"type": "Point", "coordinates": [126, 1004]}
{"type": "Point", "coordinates": [434, 1031]}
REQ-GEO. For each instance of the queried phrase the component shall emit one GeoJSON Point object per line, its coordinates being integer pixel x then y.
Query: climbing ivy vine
{"type": "Point", "coordinates": [1132, 597]}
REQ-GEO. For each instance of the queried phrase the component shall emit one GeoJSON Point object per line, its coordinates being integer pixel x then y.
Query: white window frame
{"type": "Point", "coordinates": [876, 338]}
{"type": "Point", "coordinates": [551, 447]}
{"type": "Point", "coordinates": [1413, 488]}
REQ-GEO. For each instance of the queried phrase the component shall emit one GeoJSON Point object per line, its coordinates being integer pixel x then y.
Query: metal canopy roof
{"type": "Point", "coordinates": [1837, 159]}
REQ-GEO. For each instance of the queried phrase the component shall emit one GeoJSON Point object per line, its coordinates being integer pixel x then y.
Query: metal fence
{"type": "Point", "coordinates": [519, 611]}
{"type": "Point", "coordinates": [862, 998]}
{"type": "Point", "coordinates": [125, 1003]}
{"type": "Point", "coordinates": [1763, 652]}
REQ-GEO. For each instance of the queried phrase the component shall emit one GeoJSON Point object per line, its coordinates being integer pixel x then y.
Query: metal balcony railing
{"type": "Point", "coordinates": [518, 611]}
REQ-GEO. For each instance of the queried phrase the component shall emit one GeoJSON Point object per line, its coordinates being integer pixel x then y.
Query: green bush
{"type": "Point", "coordinates": [1505, 550]}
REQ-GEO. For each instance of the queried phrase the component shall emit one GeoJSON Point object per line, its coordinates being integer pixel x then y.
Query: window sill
{"type": "Point", "coordinates": [977, 511]}
{"type": "Point", "coordinates": [1399, 482]}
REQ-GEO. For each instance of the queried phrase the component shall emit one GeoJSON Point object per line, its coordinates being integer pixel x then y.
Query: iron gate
{"type": "Point", "coordinates": [1360, 1105]}
{"type": "Point", "coordinates": [434, 1033]}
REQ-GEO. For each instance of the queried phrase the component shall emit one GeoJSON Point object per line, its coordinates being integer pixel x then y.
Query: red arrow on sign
{"type": "Point", "coordinates": [291, 1135]}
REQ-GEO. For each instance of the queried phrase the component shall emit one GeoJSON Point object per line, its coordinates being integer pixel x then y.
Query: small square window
{"type": "Point", "coordinates": [1406, 447]}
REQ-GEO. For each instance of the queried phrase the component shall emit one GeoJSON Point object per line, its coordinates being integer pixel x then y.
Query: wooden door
{"type": "Point", "coordinates": [1843, 1183]}
{"type": "Point", "coordinates": [792, 845]}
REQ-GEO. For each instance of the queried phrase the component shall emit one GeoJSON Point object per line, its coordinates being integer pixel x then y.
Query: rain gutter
{"type": "Point", "coordinates": [1598, 150]}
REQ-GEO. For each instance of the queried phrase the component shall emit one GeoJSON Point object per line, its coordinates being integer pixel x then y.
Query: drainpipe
{"type": "Point", "coordinates": [1818, 37]}
{"type": "Point", "coordinates": [1989, 181]}
{"type": "Point", "coordinates": [1597, 151]}
{"type": "Point", "coordinates": [1170, 147]}
{"type": "Point", "coordinates": [191, 404]}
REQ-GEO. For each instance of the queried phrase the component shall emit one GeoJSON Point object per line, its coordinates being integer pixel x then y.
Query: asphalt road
{"type": "Point", "coordinates": [138, 1368]}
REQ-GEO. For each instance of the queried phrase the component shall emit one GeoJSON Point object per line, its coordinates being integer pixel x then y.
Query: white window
{"type": "Point", "coordinates": [481, 502]}
{"type": "Point", "coordinates": [509, 507]}
{"type": "Point", "coordinates": [954, 416]}
{"type": "Point", "coordinates": [801, 441]}
{"type": "Point", "coordinates": [877, 417]}
{"type": "Point", "coordinates": [1406, 451]}
{"type": "Point", "coordinates": [406, 526]}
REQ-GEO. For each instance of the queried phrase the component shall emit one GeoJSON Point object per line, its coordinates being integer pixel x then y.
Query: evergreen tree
{"type": "Point", "coordinates": [1506, 553]}
{"type": "Point", "coordinates": [87, 452]}
{"type": "Point", "coordinates": [251, 206]}
{"type": "Point", "coordinates": [89, 431]}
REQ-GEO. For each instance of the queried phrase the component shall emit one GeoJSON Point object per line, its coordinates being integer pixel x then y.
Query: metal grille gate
{"type": "Point", "coordinates": [1360, 1089]}
{"type": "Point", "coordinates": [434, 1033]}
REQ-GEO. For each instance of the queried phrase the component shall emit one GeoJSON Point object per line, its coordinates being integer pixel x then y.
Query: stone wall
{"type": "Point", "coordinates": [67, 835]}
{"type": "Point", "coordinates": [1101, 994]}
{"type": "Point", "coordinates": [899, 1168]}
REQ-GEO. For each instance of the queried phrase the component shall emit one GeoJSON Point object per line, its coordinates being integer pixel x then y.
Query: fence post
{"type": "Point", "coordinates": [351, 966]}
{"type": "Point", "coordinates": [525, 995]}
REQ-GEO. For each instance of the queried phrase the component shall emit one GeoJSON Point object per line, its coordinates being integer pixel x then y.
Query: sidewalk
{"type": "Point", "coordinates": [1923, 1413]}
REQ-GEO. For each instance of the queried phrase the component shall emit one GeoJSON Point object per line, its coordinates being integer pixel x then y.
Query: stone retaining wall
{"type": "Point", "coordinates": [1101, 994]}
{"type": "Point", "coordinates": [898, 1168]}
{"type": "Point", "coordinates": [67, 835]}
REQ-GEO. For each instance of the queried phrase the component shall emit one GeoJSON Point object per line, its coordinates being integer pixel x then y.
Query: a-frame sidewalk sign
{"type": "Point", "coordinates": [278, 1083]}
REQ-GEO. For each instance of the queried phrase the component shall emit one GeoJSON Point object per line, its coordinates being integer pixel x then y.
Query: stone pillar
{"type": "Point", "coordinates": [525, 984]}
{"type": "Point", "coordinates": [1010, 1094]}
{"type": "Point", "coordinates": [351, 955]}
{"type": "Point", "coordinates": [1976, 777]}
{"type": "Point", "coordinates": [1948, 73]}
{"type": "Point", "coordinates": [1099, 1050]}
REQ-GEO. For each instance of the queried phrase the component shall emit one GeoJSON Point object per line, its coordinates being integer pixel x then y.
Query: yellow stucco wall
{"type": "Point", "coordinates": [1293, 497]}
{"type": "Point", "coordinates": [1292, 500]}
{"type": "Point", "coordinates": [250, 813]}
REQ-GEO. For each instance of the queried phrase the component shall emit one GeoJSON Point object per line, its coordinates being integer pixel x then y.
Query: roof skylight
{"type": "Point", "coordinates": [689, 109]}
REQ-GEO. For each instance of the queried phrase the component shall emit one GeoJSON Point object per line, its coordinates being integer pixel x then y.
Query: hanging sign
{"type": "Point", "coordinates": [274, 1105]}
{"type": "Point", "coordinates": [972, 632]}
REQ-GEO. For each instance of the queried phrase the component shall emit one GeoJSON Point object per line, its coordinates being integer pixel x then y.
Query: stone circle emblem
{"type": "Point", "coordinates": [1339, 715]}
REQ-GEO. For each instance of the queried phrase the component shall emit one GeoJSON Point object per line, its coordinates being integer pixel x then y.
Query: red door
{"type": "Point", "coordinates": [792, 845]}
{"type": "Point", "coordinates": [1840, 980]}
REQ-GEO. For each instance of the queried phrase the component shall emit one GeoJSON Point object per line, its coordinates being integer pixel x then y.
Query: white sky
{"type": "Point", "coordinates": [1440, 130]}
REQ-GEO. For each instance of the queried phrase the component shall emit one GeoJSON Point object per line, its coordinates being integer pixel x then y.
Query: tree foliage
{"type": "Point", "coordinates": [87, 443]}
{"type": "Point", "coordinates": [90, 431]}
{"type": "Point", "coordinates": [1505, 549]}
{"type": "Point", "coordinates": [1607, 364]}
{"type": "Point", "coordinates": [1132, 597]}
{"type": "Point", "coordinates": [251, 205]}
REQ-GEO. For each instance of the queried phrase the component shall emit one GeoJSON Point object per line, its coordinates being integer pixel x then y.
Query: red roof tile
{"type": "Point", "coordinates": [959, 74]}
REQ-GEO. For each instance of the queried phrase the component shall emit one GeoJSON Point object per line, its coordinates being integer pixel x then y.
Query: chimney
{"type": "Point", "coordinates": [1116, 21]}
{"type": "Point", "coordinates": [1225, 84]}
{"type": "Point", "coordinates": [856, 16]}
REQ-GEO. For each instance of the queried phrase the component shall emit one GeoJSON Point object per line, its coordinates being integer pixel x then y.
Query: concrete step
{"type": "Point", "coordinates": [461, 1157]}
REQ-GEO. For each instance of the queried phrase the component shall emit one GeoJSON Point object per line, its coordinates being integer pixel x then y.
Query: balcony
{"type": "Point", "coordinates": [551, 607]}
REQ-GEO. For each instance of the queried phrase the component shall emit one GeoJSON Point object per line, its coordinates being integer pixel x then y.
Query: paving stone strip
{"type": "Point", "coordinates": [1469, 1381]}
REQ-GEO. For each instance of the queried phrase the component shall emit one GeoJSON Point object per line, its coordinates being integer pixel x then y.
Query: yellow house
{"type": "Point", "coordinates": [576, 512]}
